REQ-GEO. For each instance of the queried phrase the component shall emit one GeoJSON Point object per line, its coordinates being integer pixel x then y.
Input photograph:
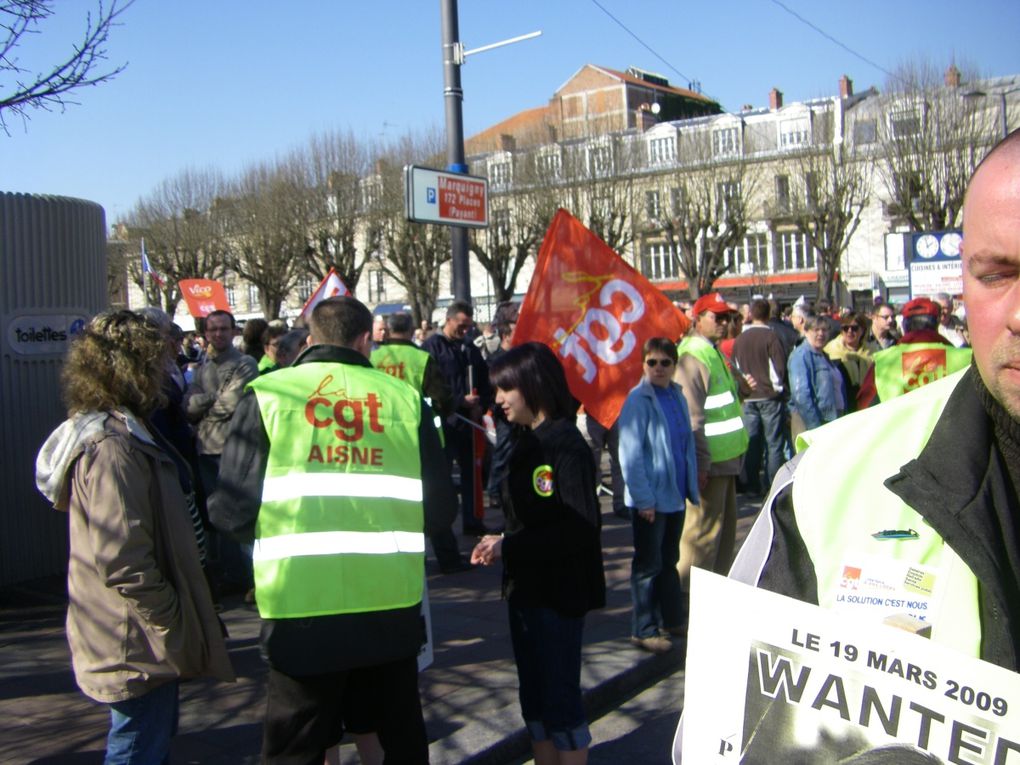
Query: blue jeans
{"type": "Point", "coordinates": [547, 649]}
{"type": "Point", "coordinates": [765, 422]}
{"type": "Point", "coordinates": [141, 728]}
{"type": "Point", "coordinates": [654, 579]}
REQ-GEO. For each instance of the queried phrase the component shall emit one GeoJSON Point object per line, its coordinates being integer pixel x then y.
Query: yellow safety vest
{"type": "Point", "coordinates": [341, 525]}
{"type": "Point", "coordinates": [840, 501]}
{"type": "Point", "coordinates": [905, 368]}
{"type": "Point", "coordinates": [724, 426]}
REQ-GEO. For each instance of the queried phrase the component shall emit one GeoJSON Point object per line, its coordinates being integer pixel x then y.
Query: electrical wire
{"type": "Point", "coordinates": [645, 45]}
{"type": "Point", "coordinates": [832, 39]}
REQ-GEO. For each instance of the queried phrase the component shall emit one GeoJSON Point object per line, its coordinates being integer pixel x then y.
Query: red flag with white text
{"type": "Point", "coordinates": [203, 296]}
{"type": "Point", "coordinates": [331, 286]}
{"type": "Point", "coordinates": [596, 312]}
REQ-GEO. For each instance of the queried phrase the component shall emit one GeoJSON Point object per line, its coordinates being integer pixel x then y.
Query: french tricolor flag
{"type": "Point", "coordinates": [148, 269]}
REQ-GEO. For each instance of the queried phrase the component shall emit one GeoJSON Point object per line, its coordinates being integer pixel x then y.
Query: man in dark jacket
{"type": "Point", "coordinates": [963, 479]}
{"type": "Point", "coordinates": [468, 376]}
{"type": "Point", "coordinates": [330, 654]}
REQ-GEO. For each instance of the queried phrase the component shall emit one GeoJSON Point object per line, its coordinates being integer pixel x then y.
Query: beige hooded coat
{"type": "Point", "coordinates": [140, 613]}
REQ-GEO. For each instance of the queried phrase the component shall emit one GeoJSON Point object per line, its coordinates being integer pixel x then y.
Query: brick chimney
{"type": "Point", "coordinates": [775, 99]}
{"type": "Point", "coordinates": [507, 142]}
{"type": "Point", "coordinates": [846, 87]}
{"type": "Point", "coordinates": [952, 77]}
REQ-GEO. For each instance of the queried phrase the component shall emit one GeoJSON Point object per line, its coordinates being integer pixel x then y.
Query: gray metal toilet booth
{"type": "Point", "coordinates": [52, 280]}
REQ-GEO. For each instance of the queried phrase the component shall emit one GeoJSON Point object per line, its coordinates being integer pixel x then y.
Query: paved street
{"type": "Point", "coordinates": [469, 693]}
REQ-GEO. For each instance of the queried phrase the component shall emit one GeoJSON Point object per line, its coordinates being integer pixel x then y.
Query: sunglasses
{"type": "Point", "coordinates": [655, 362]}
{"type": "Point", "coordinates": [852, 328]}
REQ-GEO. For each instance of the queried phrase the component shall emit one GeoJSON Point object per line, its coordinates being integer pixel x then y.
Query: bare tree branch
{"type": "Point", "coordinates": [48, 89]}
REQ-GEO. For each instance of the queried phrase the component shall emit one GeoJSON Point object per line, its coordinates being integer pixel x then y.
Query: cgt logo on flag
{"type": "Point", "coordinates": [922, 367]}
{"type": "Point", "coordinates": [331, 286]}
{"type": "Point", "coordinates": [595, 312]}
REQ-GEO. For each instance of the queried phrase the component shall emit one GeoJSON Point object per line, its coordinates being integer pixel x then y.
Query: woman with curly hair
{"type": "Point", "coordinates": [140, 617]}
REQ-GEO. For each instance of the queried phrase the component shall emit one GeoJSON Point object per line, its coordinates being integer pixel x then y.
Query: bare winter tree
{"type": "Point", "coordinates": [266, 233]}
{"type": "Point", "coordinates": [932, 136]}
{"type": "Point", "coordinates": [519, 215]}
{"type": "Point", "coordinates": [180, 224]}
{"type": "Point", "coordinates": [334, 165]}
{"type": "Point", "coordinates": [411, 254]}
{"type": "Point", "coordinates": [599, 189]}
{"type": "Point", "coordinates": [833, 187]}
{"type": "Point", "coordinates": [24, 88]}
{"type": "Point", "coordinates": [705, 211]}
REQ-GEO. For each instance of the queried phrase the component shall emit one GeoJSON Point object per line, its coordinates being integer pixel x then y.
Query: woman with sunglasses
{"type": "Point", "coordinates": [660, 473]}
{"type": "Point", "coordinates": [849, 352]}
{"type": "Point", "coordinates": [551, 551]}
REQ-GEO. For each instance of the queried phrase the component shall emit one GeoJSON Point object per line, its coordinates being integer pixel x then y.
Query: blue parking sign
{"type": "Point", "coordinates": [430, 195]}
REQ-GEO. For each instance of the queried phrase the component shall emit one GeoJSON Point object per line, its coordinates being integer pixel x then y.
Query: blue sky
{"type": "Point", "coordinates": [222, 83]}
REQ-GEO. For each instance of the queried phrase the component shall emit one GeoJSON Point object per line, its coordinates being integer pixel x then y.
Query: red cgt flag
{"type": "Point", "coordinates": [595, 312]}
{"type": "Point", "coordinates": [203, 296]}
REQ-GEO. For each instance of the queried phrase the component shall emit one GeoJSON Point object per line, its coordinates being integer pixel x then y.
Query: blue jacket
{"type": "Point", "coordinates": [812, 392]}
{"type": "Point", "coordinates": [649, 470]}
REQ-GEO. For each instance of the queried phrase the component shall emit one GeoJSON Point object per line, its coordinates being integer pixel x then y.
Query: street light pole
{"type": "Point", "coordinates": [454, 97]}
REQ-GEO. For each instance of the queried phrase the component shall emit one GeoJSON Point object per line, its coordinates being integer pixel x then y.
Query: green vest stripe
{"type": "Point", "coordinates": [333, 542]}
{"type": "Point", "coordinates": [905, 368]}
{"type": "Point", "coordinates": [857, 504]}
{"type": "Point", "coordinates": [340, 529]}
{"type": "Point", "coordinates": [724, 427]}
{"type": "Point", "coordinates": [341, 485]}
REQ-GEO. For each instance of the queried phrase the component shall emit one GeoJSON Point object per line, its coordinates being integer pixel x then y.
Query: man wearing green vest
{"type": "Point", "coordinates": [921, 356]}
{"type": "Point", "coordinates": [398, 356]}
{"type": "Point", "coordinates": [928, 480]}
{"type": "Point", "coordinates": [719, 436]}
{"type": "Point", "coordinates": [335, 472]}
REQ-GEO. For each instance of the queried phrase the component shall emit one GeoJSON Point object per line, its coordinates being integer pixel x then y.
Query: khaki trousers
{"type": "Point", "coordinates": [710, 530]}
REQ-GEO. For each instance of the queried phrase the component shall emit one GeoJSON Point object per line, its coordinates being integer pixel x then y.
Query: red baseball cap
{"type": "Point", "coordinates": [922, 307]}
{"type": "Point", "coordinates": [713, 302]}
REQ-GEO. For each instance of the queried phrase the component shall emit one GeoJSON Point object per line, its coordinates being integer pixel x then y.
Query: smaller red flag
{"type": "Point", "coordinates": [203, 296]}
{"type": "Point", "coordinates": [331, 286]}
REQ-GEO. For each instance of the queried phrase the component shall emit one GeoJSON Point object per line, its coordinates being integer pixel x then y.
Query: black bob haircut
{"type": "Point", "coordinates": [535, 371]}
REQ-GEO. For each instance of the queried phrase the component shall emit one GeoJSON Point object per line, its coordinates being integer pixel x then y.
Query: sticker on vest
{"type": "Point", "coordinates": [897, 593]}
{"type": "Point", "coordinates": [542, 480]}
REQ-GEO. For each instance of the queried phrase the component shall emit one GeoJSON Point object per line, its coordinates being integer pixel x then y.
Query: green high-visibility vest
{"type": "Point", "coordinates": [905, 368]}
{"type": "Point", "coordinates": [341, 525]}
{"type": "Point", "coordinates": [405, 362]}
{"type": "Point", "coordinates": [838, 510]}
{"type": "Point", "coordinates": [724, 427]}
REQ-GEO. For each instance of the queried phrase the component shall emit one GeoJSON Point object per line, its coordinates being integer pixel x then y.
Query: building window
{"type": "Point", "coordinates": [793, 133]}
{"type": "Point", "coordinates": [370, 190]}
{"type": "Point", "coordinates": [376, 286]}
{"type": "Point", "coordinates": [500, 226]}
{"type": "Point", "coordinates": [305, 288]}
{"type": "Point", "coordinates": [231, 296]}
{"type": "Point", "coordinates": [726, 193]}
{"type": "Point", "coordinates": [782, 193]}
{"type": "Point", "coordinates": [659, 263]}
{"type": "Point", "coordinates": [795, 252]}
{"type": "Point", "coordinates": [500, 174]}
{"type": "Point", "coordinates": [253, 297]}
{"type": "Point", "coordinates": [905, 123]}
{"type": "Point", "coordinates": [549, 165]}
{"type": "Point", "coordinates": [811, 190]}
{"type": "Point", "coordinates": [865, 132]}
{"type": "Point", "coordinates": [750, 256]}
{"type": "Point", "coordinates": [662, 151]}
{"type": "Point", "coordinates": [726, 142]}
{"type": "Point", "coordinates": [652, 206]}
{"type": "Point", "coordinates": [677, 201]}
{"type": "Point", "coordinates": [600, 160]}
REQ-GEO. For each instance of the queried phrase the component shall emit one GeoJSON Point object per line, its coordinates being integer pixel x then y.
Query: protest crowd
{"type": "Point", "coordinates": [312, 469]}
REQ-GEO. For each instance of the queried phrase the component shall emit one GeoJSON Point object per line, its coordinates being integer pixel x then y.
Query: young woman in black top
{"type": "Point", "coordinates": [551, 551]}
